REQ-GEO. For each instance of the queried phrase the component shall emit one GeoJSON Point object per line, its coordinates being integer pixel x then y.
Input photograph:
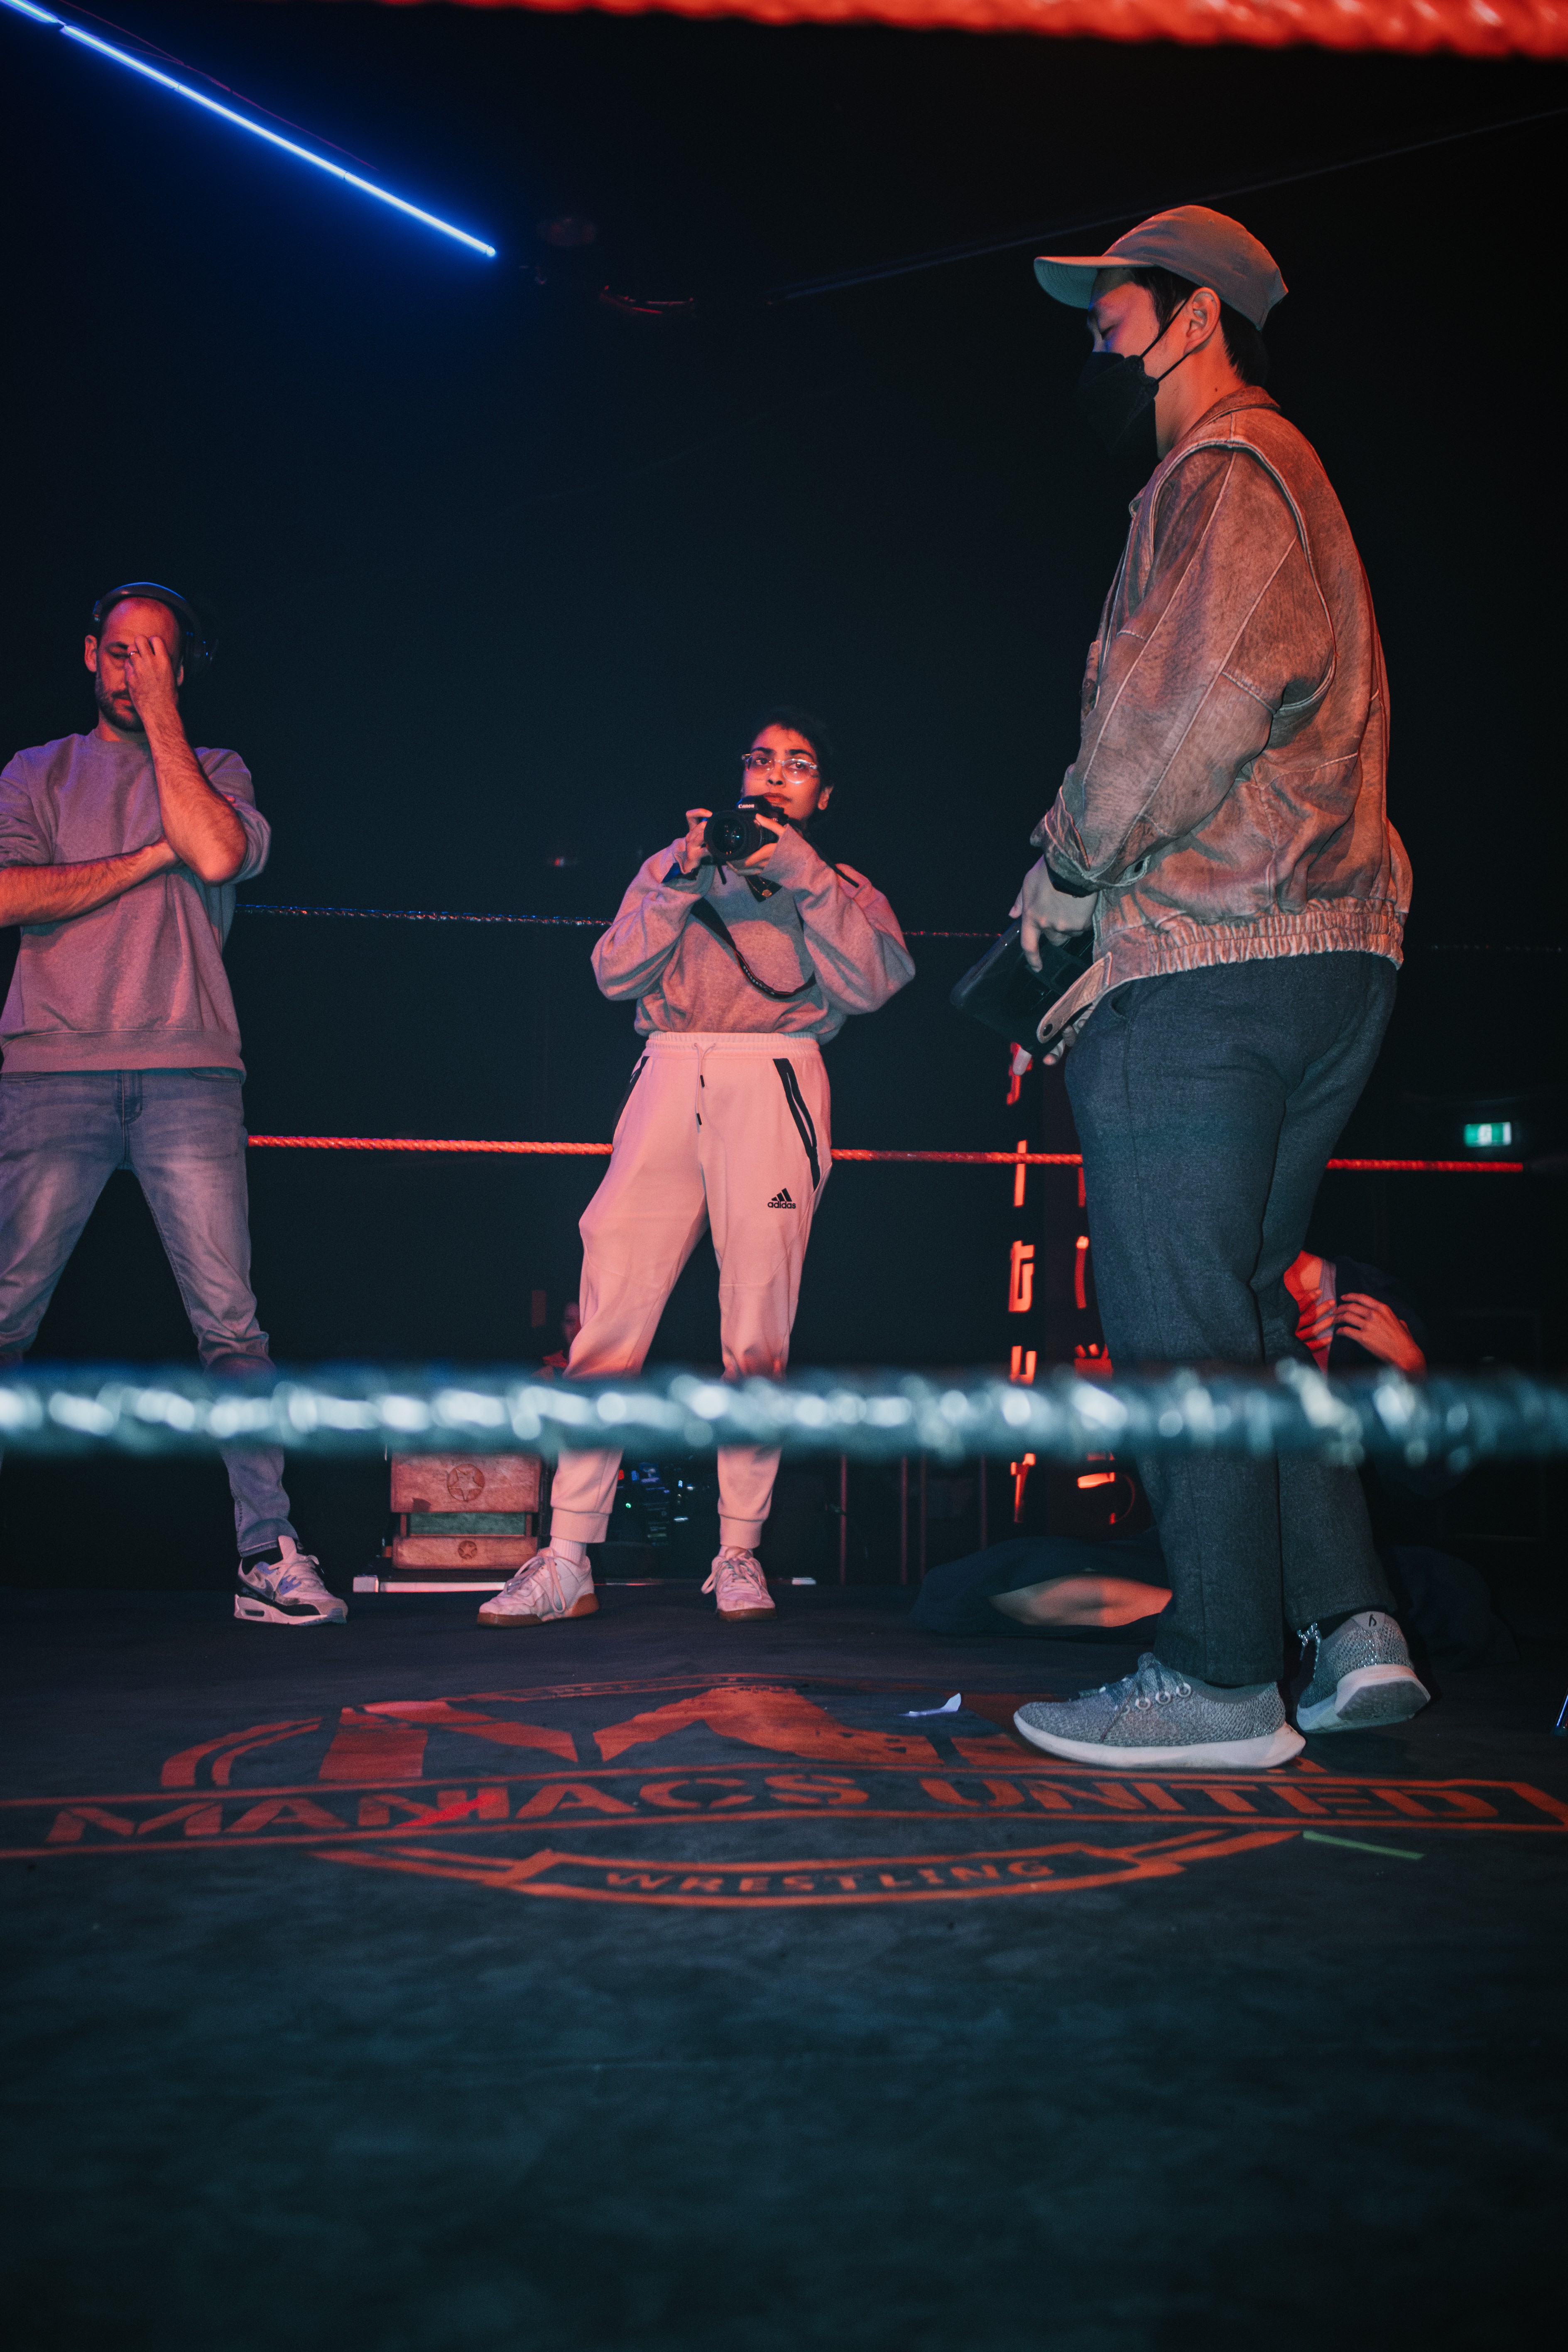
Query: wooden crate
{"type": "Point", "coordinates": [457, 1554]}
{"type": "Point", "coordinates": [466, 1482]}
{"type": "Point", "coordinates": [465, 1487]}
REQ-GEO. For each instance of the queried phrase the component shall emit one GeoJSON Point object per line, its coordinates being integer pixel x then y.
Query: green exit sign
{"type": "Point", "coordinates": [1481, 1132]}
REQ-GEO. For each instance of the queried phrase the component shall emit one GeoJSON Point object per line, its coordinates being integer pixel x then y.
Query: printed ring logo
{"type": "Point", "coordinates": [734, 1791]}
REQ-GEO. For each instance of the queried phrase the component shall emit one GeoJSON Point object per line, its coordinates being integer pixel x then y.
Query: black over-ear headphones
{"type": "Point", "coordinates": [197, 649]}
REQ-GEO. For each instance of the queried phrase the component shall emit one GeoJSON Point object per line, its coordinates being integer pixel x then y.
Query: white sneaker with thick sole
{"type": "Point", "coordinates": [546, 1592]}
{"type": "Point", "coordinates": [282, 1586]}
{"type": "Point", "coordinates": [737, 1585]}
{"type": "Point", "coordinates": [1362, 1678]}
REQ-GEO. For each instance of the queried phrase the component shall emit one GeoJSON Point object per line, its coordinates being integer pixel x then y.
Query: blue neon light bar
{"type": "Point", "coordinates": [227, 114]}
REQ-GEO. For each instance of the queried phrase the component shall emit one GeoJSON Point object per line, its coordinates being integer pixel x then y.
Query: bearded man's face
{"type": "Point", "coordinates": [133, 617]}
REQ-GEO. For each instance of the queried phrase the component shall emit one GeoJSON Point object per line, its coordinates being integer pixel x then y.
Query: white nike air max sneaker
{"type": "Point", "coordinates": [544, 1592]}
{"type": "Point", "coordinates": [282, 1586]}
{"type": "Point", "coordinates": [737, 1585]}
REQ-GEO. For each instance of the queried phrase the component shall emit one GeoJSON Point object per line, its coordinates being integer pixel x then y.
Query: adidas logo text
{"type": "Point", "coordinates": [781, 1200]}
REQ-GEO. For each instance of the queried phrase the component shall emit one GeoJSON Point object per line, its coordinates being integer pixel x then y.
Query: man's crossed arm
{"type": "Point", "coordinates": [47, 894]}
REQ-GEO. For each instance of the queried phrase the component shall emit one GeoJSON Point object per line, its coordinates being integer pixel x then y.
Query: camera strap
{"type": "Point", "coordinates": [713, 921]}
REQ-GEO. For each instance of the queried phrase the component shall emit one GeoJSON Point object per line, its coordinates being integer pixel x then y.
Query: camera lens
{"type": "Point", "coordinates": [734, 834]}
{"type": "Point", "coordinates": [730, 834]}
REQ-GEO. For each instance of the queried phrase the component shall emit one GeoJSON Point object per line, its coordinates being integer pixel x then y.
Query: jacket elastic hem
{"type": "Point", "coordinates": [1138, 950]}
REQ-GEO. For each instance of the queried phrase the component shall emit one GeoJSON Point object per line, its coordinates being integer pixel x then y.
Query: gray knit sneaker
{"type": "Point", "coordinates": [1158, 1718]}
{"type": "Point", "coordinates": [1362, 1678]}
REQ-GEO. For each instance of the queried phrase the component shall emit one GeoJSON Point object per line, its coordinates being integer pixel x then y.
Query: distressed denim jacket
{"type": "Point", "coordinates": [1227, 799]}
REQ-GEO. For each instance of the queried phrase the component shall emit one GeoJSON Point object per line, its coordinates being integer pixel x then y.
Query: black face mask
{"type": "Point", "coordinates": [1115, 389]}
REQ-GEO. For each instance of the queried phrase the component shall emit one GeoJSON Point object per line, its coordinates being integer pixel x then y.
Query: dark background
{"type": "Point", "coordinates": [506, 564]}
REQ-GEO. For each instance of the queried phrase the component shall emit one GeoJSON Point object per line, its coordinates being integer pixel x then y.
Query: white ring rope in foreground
{"type": "Point", "coordinates": [1453, 1421]}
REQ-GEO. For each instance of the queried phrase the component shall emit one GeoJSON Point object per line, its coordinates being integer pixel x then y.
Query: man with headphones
{"type": "Point", "coordinates": [119, 854]}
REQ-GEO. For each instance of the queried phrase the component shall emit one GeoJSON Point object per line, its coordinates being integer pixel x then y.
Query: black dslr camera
{"type": "Point", "coordinates": [731, 835]}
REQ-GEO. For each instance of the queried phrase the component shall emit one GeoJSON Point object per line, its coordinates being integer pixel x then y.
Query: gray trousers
{"type": "Point", "coordinates": [1207, 1103]}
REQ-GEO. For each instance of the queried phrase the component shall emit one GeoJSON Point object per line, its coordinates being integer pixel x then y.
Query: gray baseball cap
{"type": "Point", "coordinates": [1208, 247]}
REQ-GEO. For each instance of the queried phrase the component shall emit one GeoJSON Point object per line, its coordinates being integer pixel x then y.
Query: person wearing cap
{"type": "Point", "coordinates": [119, 851]}
{"type": "Point", "coordinates": [1224, 830]}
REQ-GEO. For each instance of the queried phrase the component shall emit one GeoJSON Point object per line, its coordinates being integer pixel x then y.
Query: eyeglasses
{"type": "Point", "coordinates": [794, 763]}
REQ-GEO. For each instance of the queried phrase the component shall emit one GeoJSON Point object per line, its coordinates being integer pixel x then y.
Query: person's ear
{"type": "Point", "coordinates": [823, 794]}
{"type": "Point", "coordinates": [90, 654]}
{"type": "Point", "coordinates": [1202, 316]}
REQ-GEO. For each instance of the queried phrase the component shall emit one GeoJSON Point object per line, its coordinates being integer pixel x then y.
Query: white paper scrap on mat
{"type": "Point", "coordinates": [949, 1707]}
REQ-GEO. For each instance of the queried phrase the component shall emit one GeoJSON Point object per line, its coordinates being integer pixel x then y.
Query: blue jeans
{"type": "Point", "coordinates": [181, 1135]}
{"type": "Point", "coordinates": [1207, 1103]}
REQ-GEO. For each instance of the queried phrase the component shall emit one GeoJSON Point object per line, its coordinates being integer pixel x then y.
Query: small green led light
{"type": "Point", "coordinates": [1479, 1133]}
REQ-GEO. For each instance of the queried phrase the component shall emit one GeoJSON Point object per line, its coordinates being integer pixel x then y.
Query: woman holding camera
{"type": "Point", "coordinates": [745, 951]}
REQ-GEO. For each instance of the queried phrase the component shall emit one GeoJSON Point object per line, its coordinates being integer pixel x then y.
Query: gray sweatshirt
{"type": "Point", "coordinates": [798, 918]}
{"type": "Point", "coordinates": [138, 984]}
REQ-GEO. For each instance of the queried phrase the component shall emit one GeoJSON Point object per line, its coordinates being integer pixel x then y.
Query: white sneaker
{"type": "Point", "coordinates": [737, 1582]}
{"type": "Point", "coordinates": [548, 1590]}
{"type": "Point", "coordinates": [282, 1586]}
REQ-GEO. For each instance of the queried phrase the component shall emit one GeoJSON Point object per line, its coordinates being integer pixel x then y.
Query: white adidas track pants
{"type": "Point", "coordinates": [726, 1132]}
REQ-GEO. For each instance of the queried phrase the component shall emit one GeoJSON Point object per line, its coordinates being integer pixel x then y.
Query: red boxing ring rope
{"type": "Point", "coordinates": [939, 1158]}
{"type": "Point", "coordinates": [1476, 28]}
